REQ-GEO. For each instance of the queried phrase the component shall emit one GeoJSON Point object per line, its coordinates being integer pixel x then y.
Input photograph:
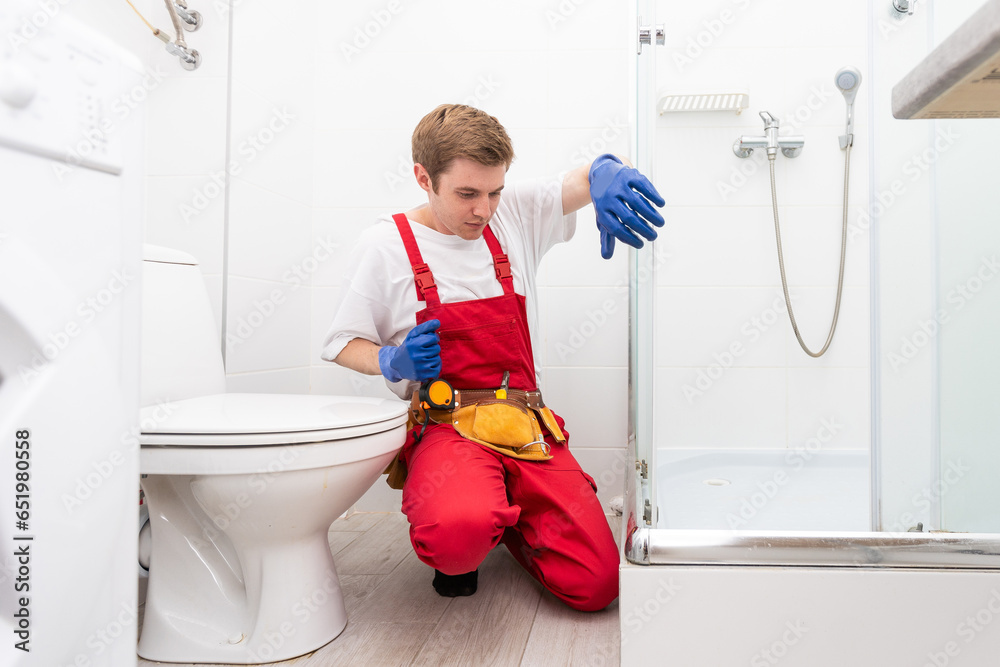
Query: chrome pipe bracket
{"type": "Point", "coordinates": [190, 58]}
{"type": "Point", "coordinates": [191, 18]}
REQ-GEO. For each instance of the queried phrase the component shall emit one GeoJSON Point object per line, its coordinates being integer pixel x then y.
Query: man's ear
{"type": "Point", "coordinates": [423, 177]}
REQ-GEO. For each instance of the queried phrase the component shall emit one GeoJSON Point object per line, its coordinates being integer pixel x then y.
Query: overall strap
{"type": "Point", "coordinates": [426, 288]}
{"type": "Point", "coordinates": [500, 262]}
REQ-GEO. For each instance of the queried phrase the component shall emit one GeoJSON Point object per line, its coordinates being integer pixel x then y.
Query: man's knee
{"type": "Point", "coordinates": [595, 592]}
{"type": "Point", "coordinates": [457, 540]}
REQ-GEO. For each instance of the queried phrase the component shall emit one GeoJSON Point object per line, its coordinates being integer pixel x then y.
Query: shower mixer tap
{"type": "Point", "coordinates": [790, 146]}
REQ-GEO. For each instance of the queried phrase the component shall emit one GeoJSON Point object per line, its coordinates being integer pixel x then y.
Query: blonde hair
{"type": "Point", "coordinates": [459, 131]}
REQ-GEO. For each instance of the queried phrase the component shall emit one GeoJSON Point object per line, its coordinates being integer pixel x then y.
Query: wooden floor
{"type": "Point", "coordinates": [395, 618]}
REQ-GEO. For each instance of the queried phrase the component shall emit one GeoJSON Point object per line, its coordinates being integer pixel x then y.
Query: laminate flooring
{"type": "Point", "coordinates": [395, 619]}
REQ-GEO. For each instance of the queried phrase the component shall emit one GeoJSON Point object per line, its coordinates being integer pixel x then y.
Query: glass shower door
{"type": "Point", "coordinates": [968, 313]}
{"type": "Point", "coordinates": [938, 309]}
{"type": "Point", "coordinates": [642, 287]}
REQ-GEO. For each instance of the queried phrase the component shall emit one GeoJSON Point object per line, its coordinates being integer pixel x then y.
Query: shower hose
{"type": "Point", "coordinates": [843, 253]}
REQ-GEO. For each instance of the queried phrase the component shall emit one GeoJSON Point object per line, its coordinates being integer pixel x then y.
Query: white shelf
{"type": "Point", "coordinates": [961, 77]}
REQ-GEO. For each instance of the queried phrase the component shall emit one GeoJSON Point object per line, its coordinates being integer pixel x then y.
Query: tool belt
{"type": "Point", "coordinates": [508, 425]}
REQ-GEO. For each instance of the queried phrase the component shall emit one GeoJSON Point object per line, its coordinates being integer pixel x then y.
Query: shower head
{"type": "Point", "coordinates": [848, 80]}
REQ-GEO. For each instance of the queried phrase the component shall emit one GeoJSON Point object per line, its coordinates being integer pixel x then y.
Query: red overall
{"type": "Point", "coordinates": [462, 499]}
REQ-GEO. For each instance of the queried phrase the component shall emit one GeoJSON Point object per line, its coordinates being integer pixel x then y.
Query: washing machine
{"type": "Point", "coordinates": [71, 216]}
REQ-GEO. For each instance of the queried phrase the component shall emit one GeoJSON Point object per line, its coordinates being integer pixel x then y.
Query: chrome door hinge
{"type": "Point", "coordinates": [645, 34]}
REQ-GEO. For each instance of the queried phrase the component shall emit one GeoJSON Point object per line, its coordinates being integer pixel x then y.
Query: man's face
{"type": "Point", "coordinates": [467, 196]}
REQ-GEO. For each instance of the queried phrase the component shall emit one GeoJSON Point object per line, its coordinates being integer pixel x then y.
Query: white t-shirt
{"type": "Point", "coordinates": [380, 302]}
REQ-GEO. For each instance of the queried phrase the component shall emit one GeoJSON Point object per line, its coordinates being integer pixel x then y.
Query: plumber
{"type": "Point", "coordinates": [447, 291]}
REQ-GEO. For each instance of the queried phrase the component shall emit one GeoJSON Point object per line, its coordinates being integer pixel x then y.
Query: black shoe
{"type": "Point", "coordinates": [453, 586]}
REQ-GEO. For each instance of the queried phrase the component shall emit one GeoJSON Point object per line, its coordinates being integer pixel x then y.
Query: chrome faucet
{"type": "Point", "coordinates": [790, 146]}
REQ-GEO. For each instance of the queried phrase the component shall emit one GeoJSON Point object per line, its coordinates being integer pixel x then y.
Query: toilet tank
{"type": "Point", "coordinates": [181, 347]}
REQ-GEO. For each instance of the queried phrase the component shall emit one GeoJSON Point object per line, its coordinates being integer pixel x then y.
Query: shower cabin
{"type": "Point", "coordinates": [839, 510]}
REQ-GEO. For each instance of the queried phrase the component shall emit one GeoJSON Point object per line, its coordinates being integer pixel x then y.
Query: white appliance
{"type": "Point", "coordinates": [70, 248]}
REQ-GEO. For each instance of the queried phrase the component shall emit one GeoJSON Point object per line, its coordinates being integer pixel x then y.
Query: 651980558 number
{"type": "Point", "coordinates": [22, 478]}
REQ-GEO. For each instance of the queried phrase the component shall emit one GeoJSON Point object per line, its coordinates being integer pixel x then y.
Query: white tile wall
{"type": "Point", "coordinates": [717, 407]}
{"type": "Point", "coordinates": [284, 381]}
{"type": "Point", "coordinates": [186, 120]}
{"type": "Point", "coordinates": [702, 326]}
{"type": "Point", "coordinates": [585, 327]}
{"type": "Point", "coordinates": [730, 373]}
{"type": "Point", "coordinates": [608, 467]}
{"type": "Point", "coordinates": [717, 246]}
{"type": "Point", "coordinates": [267, 327]}
{"type": "Point", "coordinates": [557, 80]}
{"type": "Point", "coordinates": [272, 253]}
{"type": "Point", "coordinates": [188, 212]}
{"type": "Point", "coordinates": [556, 75]}
{"type": "Point", "coordinates": [836, 398]}
{"type": "Point", "coordinates": [817, 230]}
{"type": "Point", "coordinates": [269, 235]}
{"type": "Point", "coordinates": [592, 422]}
{"type": "Point", "coordinates": [338, 228]}
{"type": "Point", "coordinates": [559, 83]}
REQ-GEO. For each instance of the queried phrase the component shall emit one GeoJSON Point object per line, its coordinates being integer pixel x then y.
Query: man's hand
{"type": "Point", "coordinates": [417, 358]}
{"type": "Point", "coordinates": [622, 197]}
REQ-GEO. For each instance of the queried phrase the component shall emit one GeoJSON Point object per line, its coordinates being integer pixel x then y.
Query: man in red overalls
{"type": "Point", "coordinates": [448, 291]}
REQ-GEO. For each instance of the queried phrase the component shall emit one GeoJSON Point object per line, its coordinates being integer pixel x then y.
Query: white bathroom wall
{"type": "Point", "coordinates": [555, 74]}
{"type": "Point", "coordinates": [729, 372]}
{"type": "Point", "coordinates": [186, 116]}
{"type": "Point", "coordinates": [186, 145]}
{"type": "Point", "coordinates": [324, 98]}
{"type": "Point", "coordinates": [270, 241]}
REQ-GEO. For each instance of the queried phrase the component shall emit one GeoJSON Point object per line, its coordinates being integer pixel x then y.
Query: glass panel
{"type": "Point", "coordinates": [902, 235]}
{"type": "Point", "coordinates": [968, 309]}
{"type": "Point", "coordinates": [938, 309]}
{"type": "Point", "coordinates": [750, 433]}
{"type": "Point", "coordinates": [643, 284]}
{"type": "Point", "coordinates": [969, 304]}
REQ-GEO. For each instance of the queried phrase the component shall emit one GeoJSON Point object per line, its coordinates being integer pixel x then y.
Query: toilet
{"type": "Point", "coordinates": [241, 489]}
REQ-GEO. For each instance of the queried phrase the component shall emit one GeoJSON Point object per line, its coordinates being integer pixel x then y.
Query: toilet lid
{"type": "Point", "coordinates": [267, 419]}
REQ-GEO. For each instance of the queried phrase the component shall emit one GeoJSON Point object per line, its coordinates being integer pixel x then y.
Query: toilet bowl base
{"type": "Point", "coordinates": [236, 579]}
{"type": "Point", "coordinates": [302, 615]}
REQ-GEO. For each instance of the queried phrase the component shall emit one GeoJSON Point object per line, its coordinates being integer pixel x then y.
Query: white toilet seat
{"type": "Point", "coordinates": [255, 433]}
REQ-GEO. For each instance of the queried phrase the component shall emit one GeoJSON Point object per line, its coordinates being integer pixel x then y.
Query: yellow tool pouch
{"type": "Point", "coordinates": [504, 425]}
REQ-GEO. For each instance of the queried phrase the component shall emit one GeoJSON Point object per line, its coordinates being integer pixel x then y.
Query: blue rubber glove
{"type": "Point", "coordinates": [622, 197]}
{"type": "Point", "coordinates": [417, 358]}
